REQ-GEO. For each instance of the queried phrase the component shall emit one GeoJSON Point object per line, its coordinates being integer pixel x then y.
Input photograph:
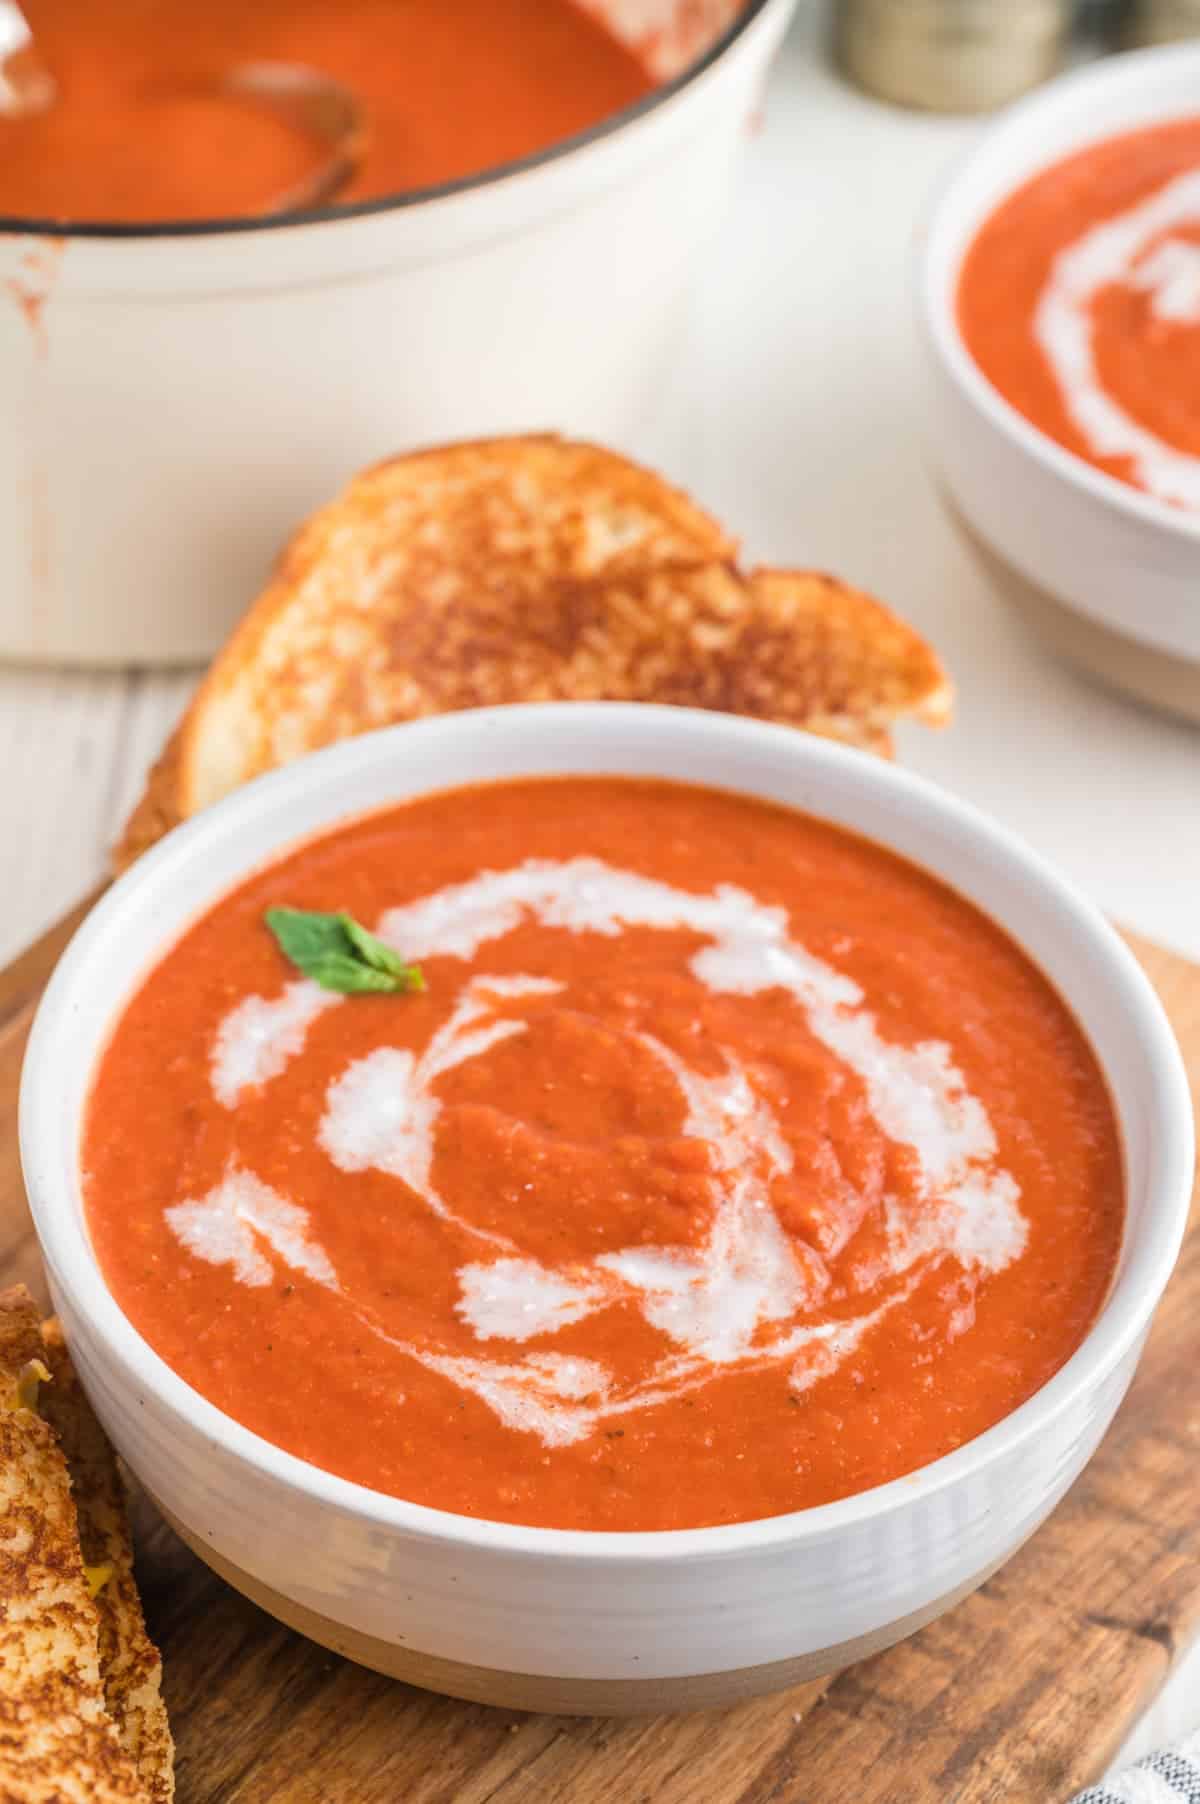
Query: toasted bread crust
{"type": "Point", "coordinates": [56, 1738]}
{"type": "Point", "coordinates": [158, 808]}
{"type": "Point", "coordinates": [130, 1666]}
{"type": "Point", "coordinates": [526, 569]}
{"type": "Point", "coordinates": [864, 665]}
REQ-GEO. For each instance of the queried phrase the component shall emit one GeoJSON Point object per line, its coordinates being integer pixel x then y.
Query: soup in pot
{"type": "Point", "coordinates": [140, 131]}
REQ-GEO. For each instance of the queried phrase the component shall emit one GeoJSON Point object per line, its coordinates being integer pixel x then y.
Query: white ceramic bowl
{"type": "Point", "coordinates": [1118, 557]}
{"type": "Point", "coordinates": [602, 1620]}
{"type": "Point", "coordinates": [176, 400]}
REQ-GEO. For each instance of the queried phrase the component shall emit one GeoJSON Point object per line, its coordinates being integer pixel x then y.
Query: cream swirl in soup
{"type": "Point", "coordinates": [725, 1165]}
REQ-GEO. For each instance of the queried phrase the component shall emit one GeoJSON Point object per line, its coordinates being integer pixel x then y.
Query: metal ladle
{"type": "Point", "coordinates": [312, 102]}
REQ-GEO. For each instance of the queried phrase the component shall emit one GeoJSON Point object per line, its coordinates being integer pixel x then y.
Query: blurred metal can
{"type": "Point", "coordinates": [950, 56]}
{"type": "Point", "coordinates": [1101, 22]}
{"type": "Point", "coordinates": [1162, 21]}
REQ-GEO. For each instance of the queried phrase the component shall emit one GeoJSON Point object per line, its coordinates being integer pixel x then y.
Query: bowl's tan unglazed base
{"type": "Point", "coordinates": [1113, 659]}
{"type": "Point", "coordinates": [565, 1696]}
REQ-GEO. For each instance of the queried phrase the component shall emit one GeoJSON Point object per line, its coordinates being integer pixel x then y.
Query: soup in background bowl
{"type": "Point", "coordinates": [1079, 299]}
{"type": "Point", "coordinates": [1054, 296]}
{"type": "Point", "coordinates": [726, 1032]}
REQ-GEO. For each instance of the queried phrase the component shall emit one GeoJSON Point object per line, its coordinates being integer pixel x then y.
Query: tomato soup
{"type": "Point", "coordinates": [1080, 301]}
{"type": "Point", "coordinates": [725, 1164]}
{"type": "Point", "coordinates": [449, 88]}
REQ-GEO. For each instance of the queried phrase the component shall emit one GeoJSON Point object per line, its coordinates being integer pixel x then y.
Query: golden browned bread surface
{"type": "Point", "coordinates": [130, 1666]}
{"type": "Point", "coordinates": [56, 1737]}
{"type": "Point", "coordinates": [73, 1725]}
{"type": "Point", "coordinates": [527, 569]}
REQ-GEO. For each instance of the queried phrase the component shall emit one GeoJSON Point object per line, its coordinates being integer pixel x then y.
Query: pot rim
{"type": "Point", "coordinates": [611, 125]}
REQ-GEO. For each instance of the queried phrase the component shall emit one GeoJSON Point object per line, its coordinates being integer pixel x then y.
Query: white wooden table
{"type": "Point", "coordinates": [796, 415]}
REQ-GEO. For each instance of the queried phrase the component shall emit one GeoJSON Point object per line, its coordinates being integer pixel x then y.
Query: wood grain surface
{"type": "Point", "coordinates": [1018, 1696]}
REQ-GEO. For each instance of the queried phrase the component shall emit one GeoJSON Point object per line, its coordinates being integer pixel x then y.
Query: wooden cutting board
{"type": "Point", "coordinates": [1018, 1696]}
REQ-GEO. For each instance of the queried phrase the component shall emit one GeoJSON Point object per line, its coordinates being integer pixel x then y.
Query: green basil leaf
{"type": "Point", "coordinates": [371, 949]}
{"type": "Point", "coordinates": [342, 971]}
{"type": "Point", "coordinates": [380, 956]}
{"type": "Point", "coordinates": [339, 954]}
{"type": "Point", "coordinates": [304, 936]}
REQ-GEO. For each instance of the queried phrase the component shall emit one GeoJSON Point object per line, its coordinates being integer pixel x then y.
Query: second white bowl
{"type": "Point", "coordinates": [1118, 558]}
{"type": "Point", "coordinates": [543, 1618]}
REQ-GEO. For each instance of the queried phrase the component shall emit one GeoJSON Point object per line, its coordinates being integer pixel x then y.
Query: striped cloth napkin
{"type": "Point", "coordinates": [1171, 1776]}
